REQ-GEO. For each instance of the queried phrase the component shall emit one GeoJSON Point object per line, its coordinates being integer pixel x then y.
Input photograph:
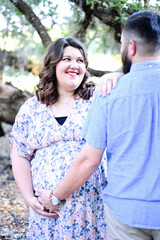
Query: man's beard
{"type": "Point", "coordinates": [126, 62]}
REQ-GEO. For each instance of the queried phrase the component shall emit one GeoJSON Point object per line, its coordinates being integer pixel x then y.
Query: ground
{"type": "Point", "coordinates": [13, 209]}
{"type": "Point", "coordinates": [13, 213]}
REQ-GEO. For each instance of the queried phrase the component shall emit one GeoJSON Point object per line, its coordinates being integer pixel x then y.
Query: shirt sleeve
{"type": "Point", "coordinates": [94, 130]}
{"type": "Point", "coordinates": [20, 132]}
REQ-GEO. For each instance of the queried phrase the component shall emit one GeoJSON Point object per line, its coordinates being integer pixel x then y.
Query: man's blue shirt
{"type": "Point", "coordinates": [127, 123]}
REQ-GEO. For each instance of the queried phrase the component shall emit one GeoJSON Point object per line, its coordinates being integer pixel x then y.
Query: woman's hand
{"type": "Point", "coordinates": [35, 204]}
{"type": "Point", "coordinates": [107, 82]}
{"type": "Point", "coordinates": [43, 198]}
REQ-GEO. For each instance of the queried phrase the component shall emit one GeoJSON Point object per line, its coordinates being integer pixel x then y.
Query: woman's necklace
{"type": "Point", "coordinates": [65, 103]}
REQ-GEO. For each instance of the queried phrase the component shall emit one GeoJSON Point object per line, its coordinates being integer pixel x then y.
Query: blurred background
{"type": "Point", "coordinates": [28, 26]}
{"type": "Point", "coordinates": [26, 29]}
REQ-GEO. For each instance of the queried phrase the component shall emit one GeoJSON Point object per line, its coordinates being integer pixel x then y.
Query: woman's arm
{"type": "Point", "coordinates": [107, 82]}
{"type": "Point", "coordinates": [22, 174]}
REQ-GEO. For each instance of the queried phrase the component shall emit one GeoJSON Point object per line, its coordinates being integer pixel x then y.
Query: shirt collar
{"type": "Point", "coordinates": [145, 65]}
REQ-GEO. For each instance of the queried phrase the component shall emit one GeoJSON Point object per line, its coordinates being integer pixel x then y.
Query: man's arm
{"type": "Point", "coordinates": [80, 170]}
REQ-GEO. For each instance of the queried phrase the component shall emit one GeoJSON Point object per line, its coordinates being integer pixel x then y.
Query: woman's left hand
{"type": "Point", "coordinates": [107, 82]}
{"type": "Point", "coordinates": [43, 197]}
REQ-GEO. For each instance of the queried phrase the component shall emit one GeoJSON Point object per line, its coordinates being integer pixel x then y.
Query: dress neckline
{"type": "Point", "coordinates": [67, 117]}
{"type": "Point", "coordinates": [61, 120]}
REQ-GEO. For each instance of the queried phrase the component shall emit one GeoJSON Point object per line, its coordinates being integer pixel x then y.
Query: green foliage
{"type": "Point", "coordinates": [18, 28]}
{"type": "Point", "coordinates": [18, 35]}
{"type": "Point", "coordinates": [124, 7]}
{"type": "Point", "coordinates": [104, 4]}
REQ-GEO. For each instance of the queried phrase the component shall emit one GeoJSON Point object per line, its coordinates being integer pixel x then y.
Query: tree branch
{"type": "Point", "coordinates": [97, 73]}
{"type": "Point", "coordinates": [107, 15]}
{"type": "Point", "coordinates": [34, 20]}
{"type": "Point", "coordinates": [81, 33]}
{"type": "Point", "coordinates": [13, 60]}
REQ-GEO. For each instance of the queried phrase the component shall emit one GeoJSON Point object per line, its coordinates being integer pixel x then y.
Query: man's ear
{"type": "Point", "coordinates": [131, 48]}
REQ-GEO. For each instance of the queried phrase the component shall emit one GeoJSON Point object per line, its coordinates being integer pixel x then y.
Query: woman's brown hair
{"type": "Point", "coordinates": [47, 91]}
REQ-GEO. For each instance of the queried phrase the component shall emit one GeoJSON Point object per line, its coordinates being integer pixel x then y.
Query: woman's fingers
{"type": "Point", "coordinates": [107, 82]}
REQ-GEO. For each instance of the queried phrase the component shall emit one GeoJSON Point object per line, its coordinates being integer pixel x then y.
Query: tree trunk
{"type": "Point", "coordinates": [11, 100]}
{"type": "Point", "coordinates": [146, 4]}
{"type": "Point", "coordinates": [13, 60]}
{"type": "Point", "coordinates": [2, 65]}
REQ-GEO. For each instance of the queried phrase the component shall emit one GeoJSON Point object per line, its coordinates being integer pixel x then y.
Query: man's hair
{"type": "Point", "coordinates": [144, 28]}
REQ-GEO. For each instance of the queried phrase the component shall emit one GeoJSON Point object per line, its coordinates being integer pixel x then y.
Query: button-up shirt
{"type": "Point", "coordinates": [127, 123]}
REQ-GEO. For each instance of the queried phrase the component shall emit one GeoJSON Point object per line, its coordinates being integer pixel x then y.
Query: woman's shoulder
{"type": "Point", "coordinates": [84, 102]}
{"type": "Point", "coordinates": [30, 102]}
{"type": "Point", "coordinates": [30, 105]}
{"type": "Point", "coordinates": [83, 105]}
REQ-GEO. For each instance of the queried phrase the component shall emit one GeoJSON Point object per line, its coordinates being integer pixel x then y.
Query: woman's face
{"type": "Point", "coordinates": [70, 70]}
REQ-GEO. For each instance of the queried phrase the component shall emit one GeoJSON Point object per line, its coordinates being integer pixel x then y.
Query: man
{"type": "Point", "coordinates": [127, 123]}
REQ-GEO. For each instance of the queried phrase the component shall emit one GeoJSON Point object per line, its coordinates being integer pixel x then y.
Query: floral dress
{"type": "Point", "coordinates": [51, 148]}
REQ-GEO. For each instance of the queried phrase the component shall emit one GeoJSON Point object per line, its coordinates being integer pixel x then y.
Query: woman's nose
{"type": "Point", "coordinates": [73, 64]}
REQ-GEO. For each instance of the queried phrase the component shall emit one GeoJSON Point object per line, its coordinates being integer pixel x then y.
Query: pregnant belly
{"type": "Point", "coordinates": [50, 165]}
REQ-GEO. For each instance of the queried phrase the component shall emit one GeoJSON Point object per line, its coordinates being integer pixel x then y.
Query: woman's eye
{"type": "Point", "coordinates": [66, 59]}
{"type": "Point", "coordinates": [80, 60]}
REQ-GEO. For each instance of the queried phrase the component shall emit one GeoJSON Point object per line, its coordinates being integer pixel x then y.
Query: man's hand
{"type": "Point", "coordinates": [35, 204]}
{"type": "Point", "coordinates": [43, 198]}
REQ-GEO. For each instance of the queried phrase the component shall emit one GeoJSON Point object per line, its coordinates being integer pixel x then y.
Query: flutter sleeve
{"type": "Point", "coordinates": [21, 130]}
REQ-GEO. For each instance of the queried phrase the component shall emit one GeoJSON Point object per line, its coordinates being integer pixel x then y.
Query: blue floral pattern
{"type": "Point", "coordinates": [51, 148]}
